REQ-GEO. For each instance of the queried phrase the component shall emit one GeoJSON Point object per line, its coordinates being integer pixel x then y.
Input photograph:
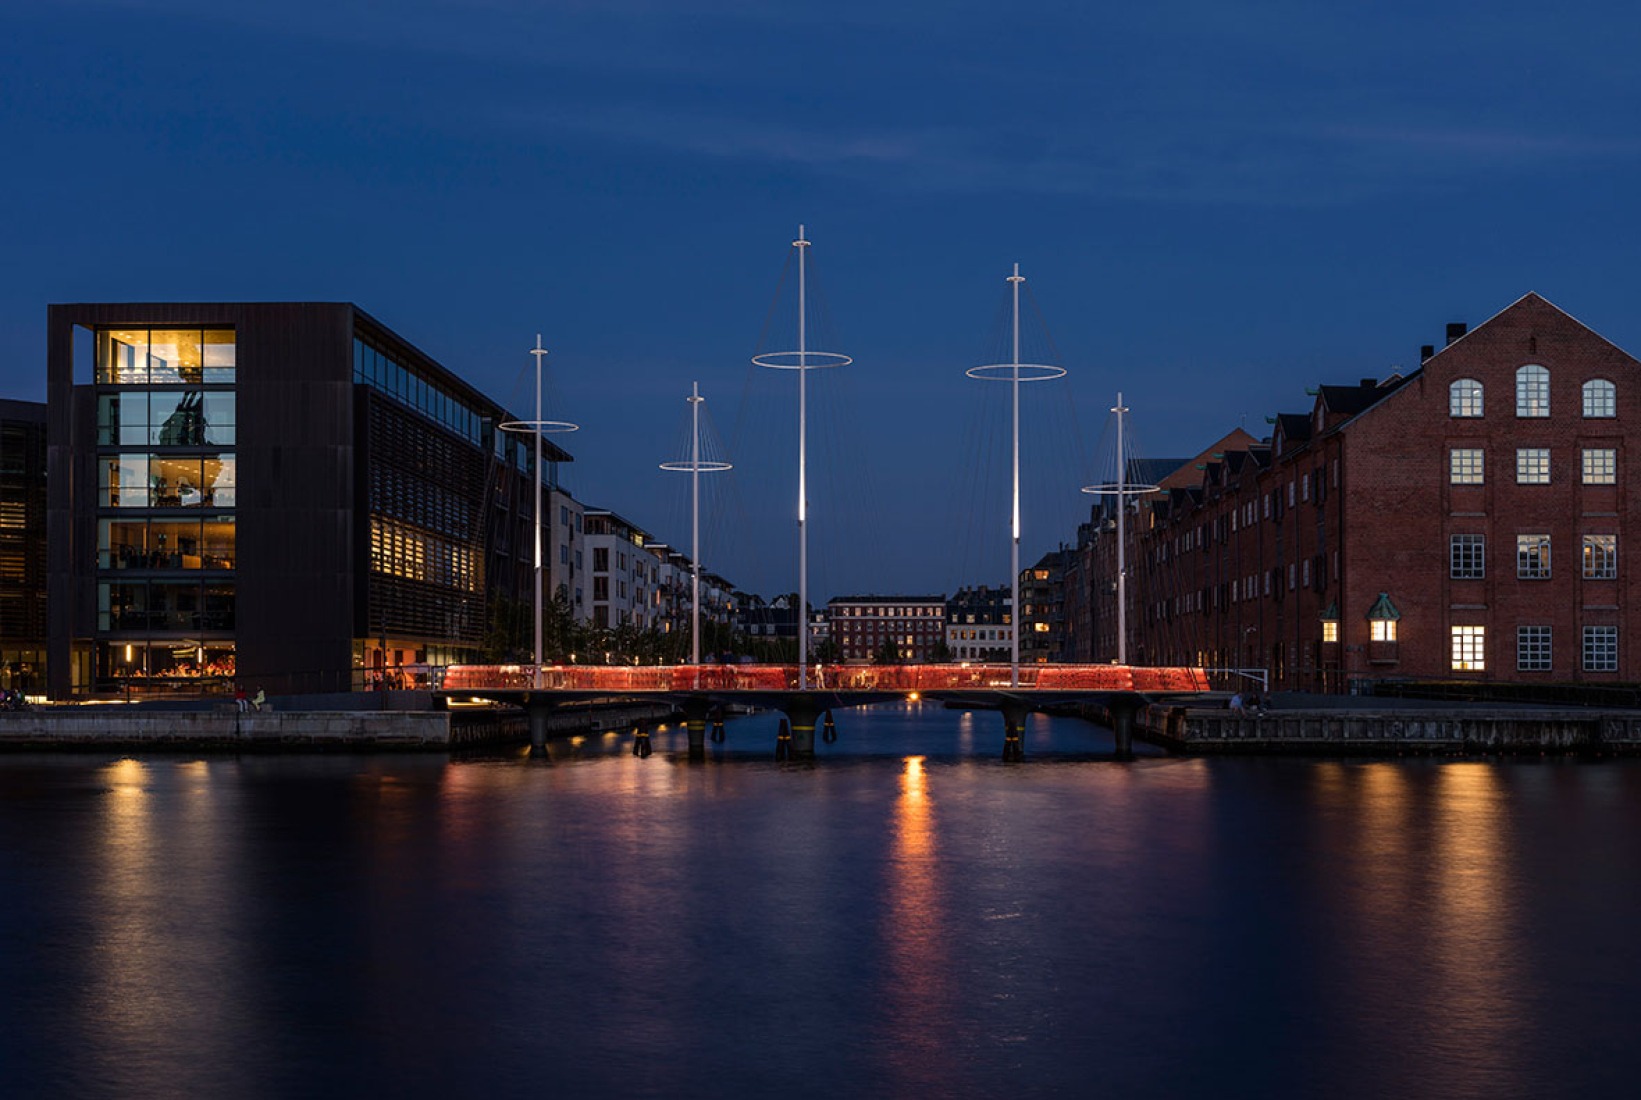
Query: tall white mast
{"type": "Point", "coordinates": [696, 466]}
{"type": "Point", "coordinates": [1122, 487]}
{"type": "Point", "coordinates": [695, 523]}
{"type": "Point", "coordinates": [803, 361]}
{"type": "Point", "coordinates": [1122, 539]}
{"type": "Point", "coordinates": [537, 427]}
{"type": "Point", "coordinates": [540, 353]}
{"type": "Point", "coordinates": [802, 245]}
{"type": "Point", "coordinates": [1015, 372]}
{"type": "Point", "coordinates": [1014, 548]}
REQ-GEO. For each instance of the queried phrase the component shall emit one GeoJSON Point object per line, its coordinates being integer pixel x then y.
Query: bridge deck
{"type": "Point", "coordinates": [784, 679]}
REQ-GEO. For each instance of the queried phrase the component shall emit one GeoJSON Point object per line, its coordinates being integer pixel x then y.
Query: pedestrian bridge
{"type": "Point", "coordinates": [805, 695]}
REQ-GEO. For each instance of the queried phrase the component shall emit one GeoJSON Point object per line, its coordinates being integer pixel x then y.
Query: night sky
{"type": "Point", "coordinates": [1216, 205]}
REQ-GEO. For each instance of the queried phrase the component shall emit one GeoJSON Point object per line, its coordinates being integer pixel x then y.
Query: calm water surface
{"type": "Point", "coordinates": [908, 917]}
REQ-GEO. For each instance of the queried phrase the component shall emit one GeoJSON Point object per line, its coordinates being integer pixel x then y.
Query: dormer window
{"type": "Point", "coordinates": [1464, 398]}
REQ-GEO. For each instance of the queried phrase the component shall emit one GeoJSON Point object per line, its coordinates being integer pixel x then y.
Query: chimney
{"type": "Point", "coordinates": [1426, 351]}
{"type": "Point", "coordinates": [1455, 329]}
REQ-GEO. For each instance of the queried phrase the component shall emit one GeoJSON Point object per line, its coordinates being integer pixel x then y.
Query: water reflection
{"type": "Point", "coordinates": [918, 986]}
{"type": "Point", "coordinates": [165, 958]}
{"type": "Point", "coordinates": [892, 922]}
{"type": "Point", "coordinates": [1475, 934]}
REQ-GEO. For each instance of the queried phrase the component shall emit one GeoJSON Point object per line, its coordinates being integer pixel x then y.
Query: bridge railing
{"type": "Point", "coordinates": [624, 679]}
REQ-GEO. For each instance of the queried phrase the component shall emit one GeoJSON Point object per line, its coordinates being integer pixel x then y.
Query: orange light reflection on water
{"type": "Point", "coordinates": [919, 989]}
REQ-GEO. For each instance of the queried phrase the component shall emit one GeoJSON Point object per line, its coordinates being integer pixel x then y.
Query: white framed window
{"type": "Point", "coordinates": [1305, 487]}
{"type": "Point", "coordinates": [1464, 398]}
{"type": "Point", "coordinates": [1291, 572]}
{"type": "Point", "coordinates": [1600, 557]}
{"type": "Point", "coordinates": [1469, 649]}
{"type": "Point", "coordinates": [1532, 465]}
{"type": "Point", "coordinates": [1382, 630]}
{"type": "Point", "coordinates": [1330, 630]}
{"type": "Point", "coordinates": [1467, 557]}
{"type": "Point", "coordinates": [1290, 494]}
{"type": "Point", "coordinates": [1532, 391]}
{"type": "Point", "coordinates": [1533, 557]}
{"type": "Point", "coordinates": [1600, 466]}
{"type": "Point", "coordinates": [1533, 648]}
{"type": "Point", "coordinates": [1601, 649]}
{"type": "Point", "coordinates": [1464, 465]}
{"type": "Point", "coordinates": [1600, 399]}
{"type": "Point", "coordinates": [1267, 506]}
{"type": "Point", "coordinates": [1305, 573]}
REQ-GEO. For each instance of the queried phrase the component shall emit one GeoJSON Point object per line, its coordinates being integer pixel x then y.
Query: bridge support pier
{"type": "Point", "coordinates": [1122, 710]}
{"type": "Point", "coordinates": [535, 713]}
{"type": "Point", "coordinates": [801, 714]}
{"type": "Point", "coordinates": [1014, 732]}
{"type": "Point", "coordinates": [695, 724]}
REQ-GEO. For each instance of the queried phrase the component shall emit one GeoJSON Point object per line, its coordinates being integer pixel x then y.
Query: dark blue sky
{"type": "Point", "coordinates": [1217, 204]}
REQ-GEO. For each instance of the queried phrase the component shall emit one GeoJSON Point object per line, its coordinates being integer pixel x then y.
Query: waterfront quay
{"type": "Point", "coordinates": [406, 721]}
{"type": "Point", "coordinates": [1322, 726]}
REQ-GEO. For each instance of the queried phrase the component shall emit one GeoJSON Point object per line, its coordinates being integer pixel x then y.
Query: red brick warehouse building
{"type": "Point", "coordinates": [1469, 520]}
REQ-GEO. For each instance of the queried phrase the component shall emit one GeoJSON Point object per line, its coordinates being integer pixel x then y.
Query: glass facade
{"type": "Point", "coordinates": [411, 387]}
{"type": "Point", "coordinates": [166, 490]}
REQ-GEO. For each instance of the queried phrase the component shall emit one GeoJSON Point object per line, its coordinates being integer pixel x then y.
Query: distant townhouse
{"type": "Point", "coordinates": [864, 628]}
{"type": "Point", "coordinates": [979, 624]}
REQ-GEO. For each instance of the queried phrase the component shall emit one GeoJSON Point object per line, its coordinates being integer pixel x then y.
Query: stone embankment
{"type": "Point", "coordinates": [1445, 730]}
{"type": "Point", "coordinates": [223, 729]}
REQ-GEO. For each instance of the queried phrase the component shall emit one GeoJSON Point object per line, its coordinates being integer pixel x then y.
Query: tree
{"type": "Point", "coordinates": [887, 654]}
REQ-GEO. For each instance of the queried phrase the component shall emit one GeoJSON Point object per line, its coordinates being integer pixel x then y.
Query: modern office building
{"type": "Point", "coordinates": [290, 495]}
{"type": "Point", "coordinates": [22, 546]}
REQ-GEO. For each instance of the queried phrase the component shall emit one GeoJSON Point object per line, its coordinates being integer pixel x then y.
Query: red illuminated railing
{"type": "Point", "coordinates": [897, 678]}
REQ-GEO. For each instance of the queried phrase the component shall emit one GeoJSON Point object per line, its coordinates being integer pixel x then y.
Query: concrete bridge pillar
{"type": "Point", "coordinates": [1123, 708]}
{"type": "Point", "coordinates": [535, 713]}
{"type": "Point", "coordinates": [696, 709]}
{"type": "Point", "coordinates": [1014, 732]}
{"type": "Point", "coordinates": [802, 714]}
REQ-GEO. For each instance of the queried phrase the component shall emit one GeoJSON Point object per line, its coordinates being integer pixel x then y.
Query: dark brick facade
{"type": "Point", "coordinates": [1243, 566]}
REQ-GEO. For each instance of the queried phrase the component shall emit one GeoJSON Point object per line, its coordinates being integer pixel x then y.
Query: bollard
{"type": "Point", "coordinates": [829, 730]}
{"type": "Point", "coordinates": [783, 740]}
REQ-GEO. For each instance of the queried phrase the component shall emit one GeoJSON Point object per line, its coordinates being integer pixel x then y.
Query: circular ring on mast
{"type": "Point", "coordinates": [545, 427]}
{"type": "Point", "coordinates": [1016, 372]}
{"type": "Point", "coordinates": [703, 466]}
{"type": "Point", "coordinates": [1120, 488]}
{"type": "Point", "coordinates": [800, 360]}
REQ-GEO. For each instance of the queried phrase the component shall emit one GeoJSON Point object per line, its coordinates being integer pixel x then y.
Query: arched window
{"type": "Point", "coordinates": [1464, 398]}
{"type": "Point", "coordinates": [1600, 398]}
{"type": "Point", "coordinates": [1532, 391]}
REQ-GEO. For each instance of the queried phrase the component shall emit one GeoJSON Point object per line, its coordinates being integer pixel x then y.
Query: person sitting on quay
{"type": "Point", "coordinates": [1236, 704]}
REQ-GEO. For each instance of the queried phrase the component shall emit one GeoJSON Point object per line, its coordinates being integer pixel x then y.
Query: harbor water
{"type": "Point", "coordinates": [906, 917]}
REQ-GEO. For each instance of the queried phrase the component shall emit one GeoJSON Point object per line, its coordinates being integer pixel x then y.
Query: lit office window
{"type": "Point", "coordinates": [1469, 648]}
